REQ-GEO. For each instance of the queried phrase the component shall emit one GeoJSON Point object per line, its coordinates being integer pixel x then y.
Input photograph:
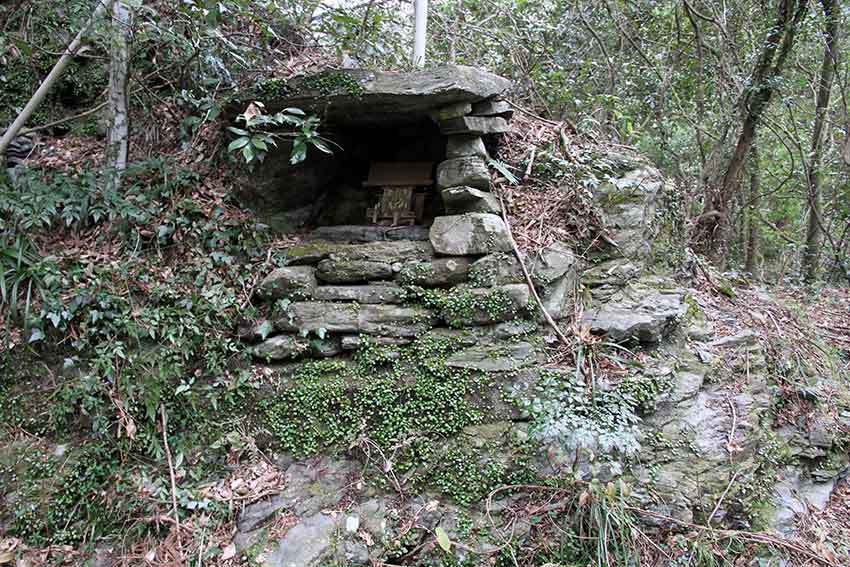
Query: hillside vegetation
{"type": "Point", "coordinates": [690, 406]}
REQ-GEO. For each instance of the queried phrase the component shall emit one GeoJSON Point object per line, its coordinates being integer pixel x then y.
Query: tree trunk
{"type": "Point", "coordinates": [812, 250]}
{"type": "Point", "coordinates": [117, 136]}
{"type": "Point", "coordinates": [713, 226]}
{"type": "Point", "coordinates": [753, 218]}
{"type": "Point", "coordinates": [50, 80]}
{"type": "Point", "coordinates": [419, 32]}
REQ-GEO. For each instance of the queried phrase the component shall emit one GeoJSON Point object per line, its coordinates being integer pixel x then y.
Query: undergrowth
{"type": "Point", "coordinates": [406, 401]}
{"type": "Point", "coordinates": [130, 318]}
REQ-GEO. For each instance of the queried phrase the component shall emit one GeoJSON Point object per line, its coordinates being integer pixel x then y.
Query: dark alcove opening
{"type": "Point", "coordinates": [344, 200]}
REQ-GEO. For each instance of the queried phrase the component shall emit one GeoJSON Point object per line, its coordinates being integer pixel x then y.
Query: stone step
{"type": "Point", "coordinates": [349, 318]}
{"type": "Point", "coordinates": [368, 233]}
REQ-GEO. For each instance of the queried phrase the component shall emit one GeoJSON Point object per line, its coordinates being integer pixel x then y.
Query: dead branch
{"type": "Point", "coordinates": [164, 419]}
{"type": "Point", "coordinates": [560, 334]}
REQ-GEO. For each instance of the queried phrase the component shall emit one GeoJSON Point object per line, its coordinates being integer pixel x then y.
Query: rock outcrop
{"type": "Point", "coordinates": [663, 398]}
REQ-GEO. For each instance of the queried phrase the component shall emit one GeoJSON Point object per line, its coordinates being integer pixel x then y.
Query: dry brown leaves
{"type": "Point", "coordinates": [69, 154]}
{"type": "Point", "coordinates": [828, 531]}
{"type": "Point", "coordinates": [199, 535]}
{"type": "Point", "coordinates": [543, 210]}
{"type": "Point", "coordinates": [247, 484]}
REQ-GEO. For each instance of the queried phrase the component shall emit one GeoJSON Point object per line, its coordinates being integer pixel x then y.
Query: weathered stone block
{"type": "Point", "coordinates": [494, 357]}
{"type": "Point", "coordinates": [367, 233]}
{"type": "Point", "coordinates": [554, 271]}
{"type": "Point", "coordinates": [641, 313]}
{"type": "Point", "coordinates": [459, 200]}
{"type": "Point", "coordinates": [469, 171]}
{"type": "Point", "coordinates": [309, 253]}
{"type": "Point", "coordinates": [492, 108]}
{"type": "Point", "coordinates": [306, 316]}
{"type": "Point", "coordinates": [394, 321]}
{"type": "Point", "coordinates": [470, 234]}
{"type": "Point", "coordinates": [495, 269]}
{"type": "Point", "coordinates": [476, 125]}
{"type": "Point", "coordinates": [350, 271]}
{"type": "Point", "coordinates": [353, 342]}
{"type": "Point", "coordinates": [387, 252]}
{"type": "Point", "coordinates": [558, 297]}
{"type": "Point", "coordinates": [498, 304]}
{"type": "Point", "coordinates": [436, 273]}
{"type": "Point", "coordinates": [325, 347]}
{"type": "Point", "coordinates": [296, 282]}
{"type": "Point", "coordinates": [384, 320]}
{"type": "Point", "coordinates": [281, 347]}
{"type": "Point", "coordinates": [451, 111]}
{"type": "Point", "coordinates": [360, 293]}
{"type": "Point", "coordinates": [553, 262]}
{"type": "Point", "coordinates": [462, 146]}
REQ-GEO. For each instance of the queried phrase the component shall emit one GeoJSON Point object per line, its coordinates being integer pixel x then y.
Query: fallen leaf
{"type": "Point", "coordinates": [229, 552]}
{"type": "Point", "coordinates": [443, 539]}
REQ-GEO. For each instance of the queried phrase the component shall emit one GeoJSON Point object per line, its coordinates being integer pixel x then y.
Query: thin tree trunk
{"type": "Point", "coordinates": [117, 136]}
{"type": "Point", "coordinates": [753, 213]}
{"type": "Point", "coordinates": [812, 250]}
{"type": "Point", "coordinates": [700, 98]}
{"type": "Point", "coordinates": [50, 80]}
{"type": "Point", "coordinates": [713, 226]}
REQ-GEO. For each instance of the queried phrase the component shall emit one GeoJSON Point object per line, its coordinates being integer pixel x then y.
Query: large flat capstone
{"type": "Point", "coordinates": [358, 96]}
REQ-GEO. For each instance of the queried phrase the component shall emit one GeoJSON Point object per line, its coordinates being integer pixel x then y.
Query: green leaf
{"type": "Point", "coordinates": [293, 110]}
{"type": "Point", "coordinates": [502, 168]}
{"type": "Point", "coordinates": [299, 152]}
{"type": "Point", "coordinates": [236, 144]}
{"type": "Point", "coordinates": [239, 131]}
{"type": "Point", "coordinates": [443, 539]}
{"type": "Point", "coordinates": [265, 329]}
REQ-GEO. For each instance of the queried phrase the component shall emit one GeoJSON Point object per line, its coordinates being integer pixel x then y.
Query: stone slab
{"type": "Point", "coordinates": [352, 318]}
{"type": "Point", "coordinates": [351, 271]}
{"type": "Point", "coordinates": [492, 108]}
{"type": "Point", "coordinates": [360, 96]}
{"type": "Point", "coordinates": [360, 293]}
{"type": "Point", "coordinates": [368, 233]}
